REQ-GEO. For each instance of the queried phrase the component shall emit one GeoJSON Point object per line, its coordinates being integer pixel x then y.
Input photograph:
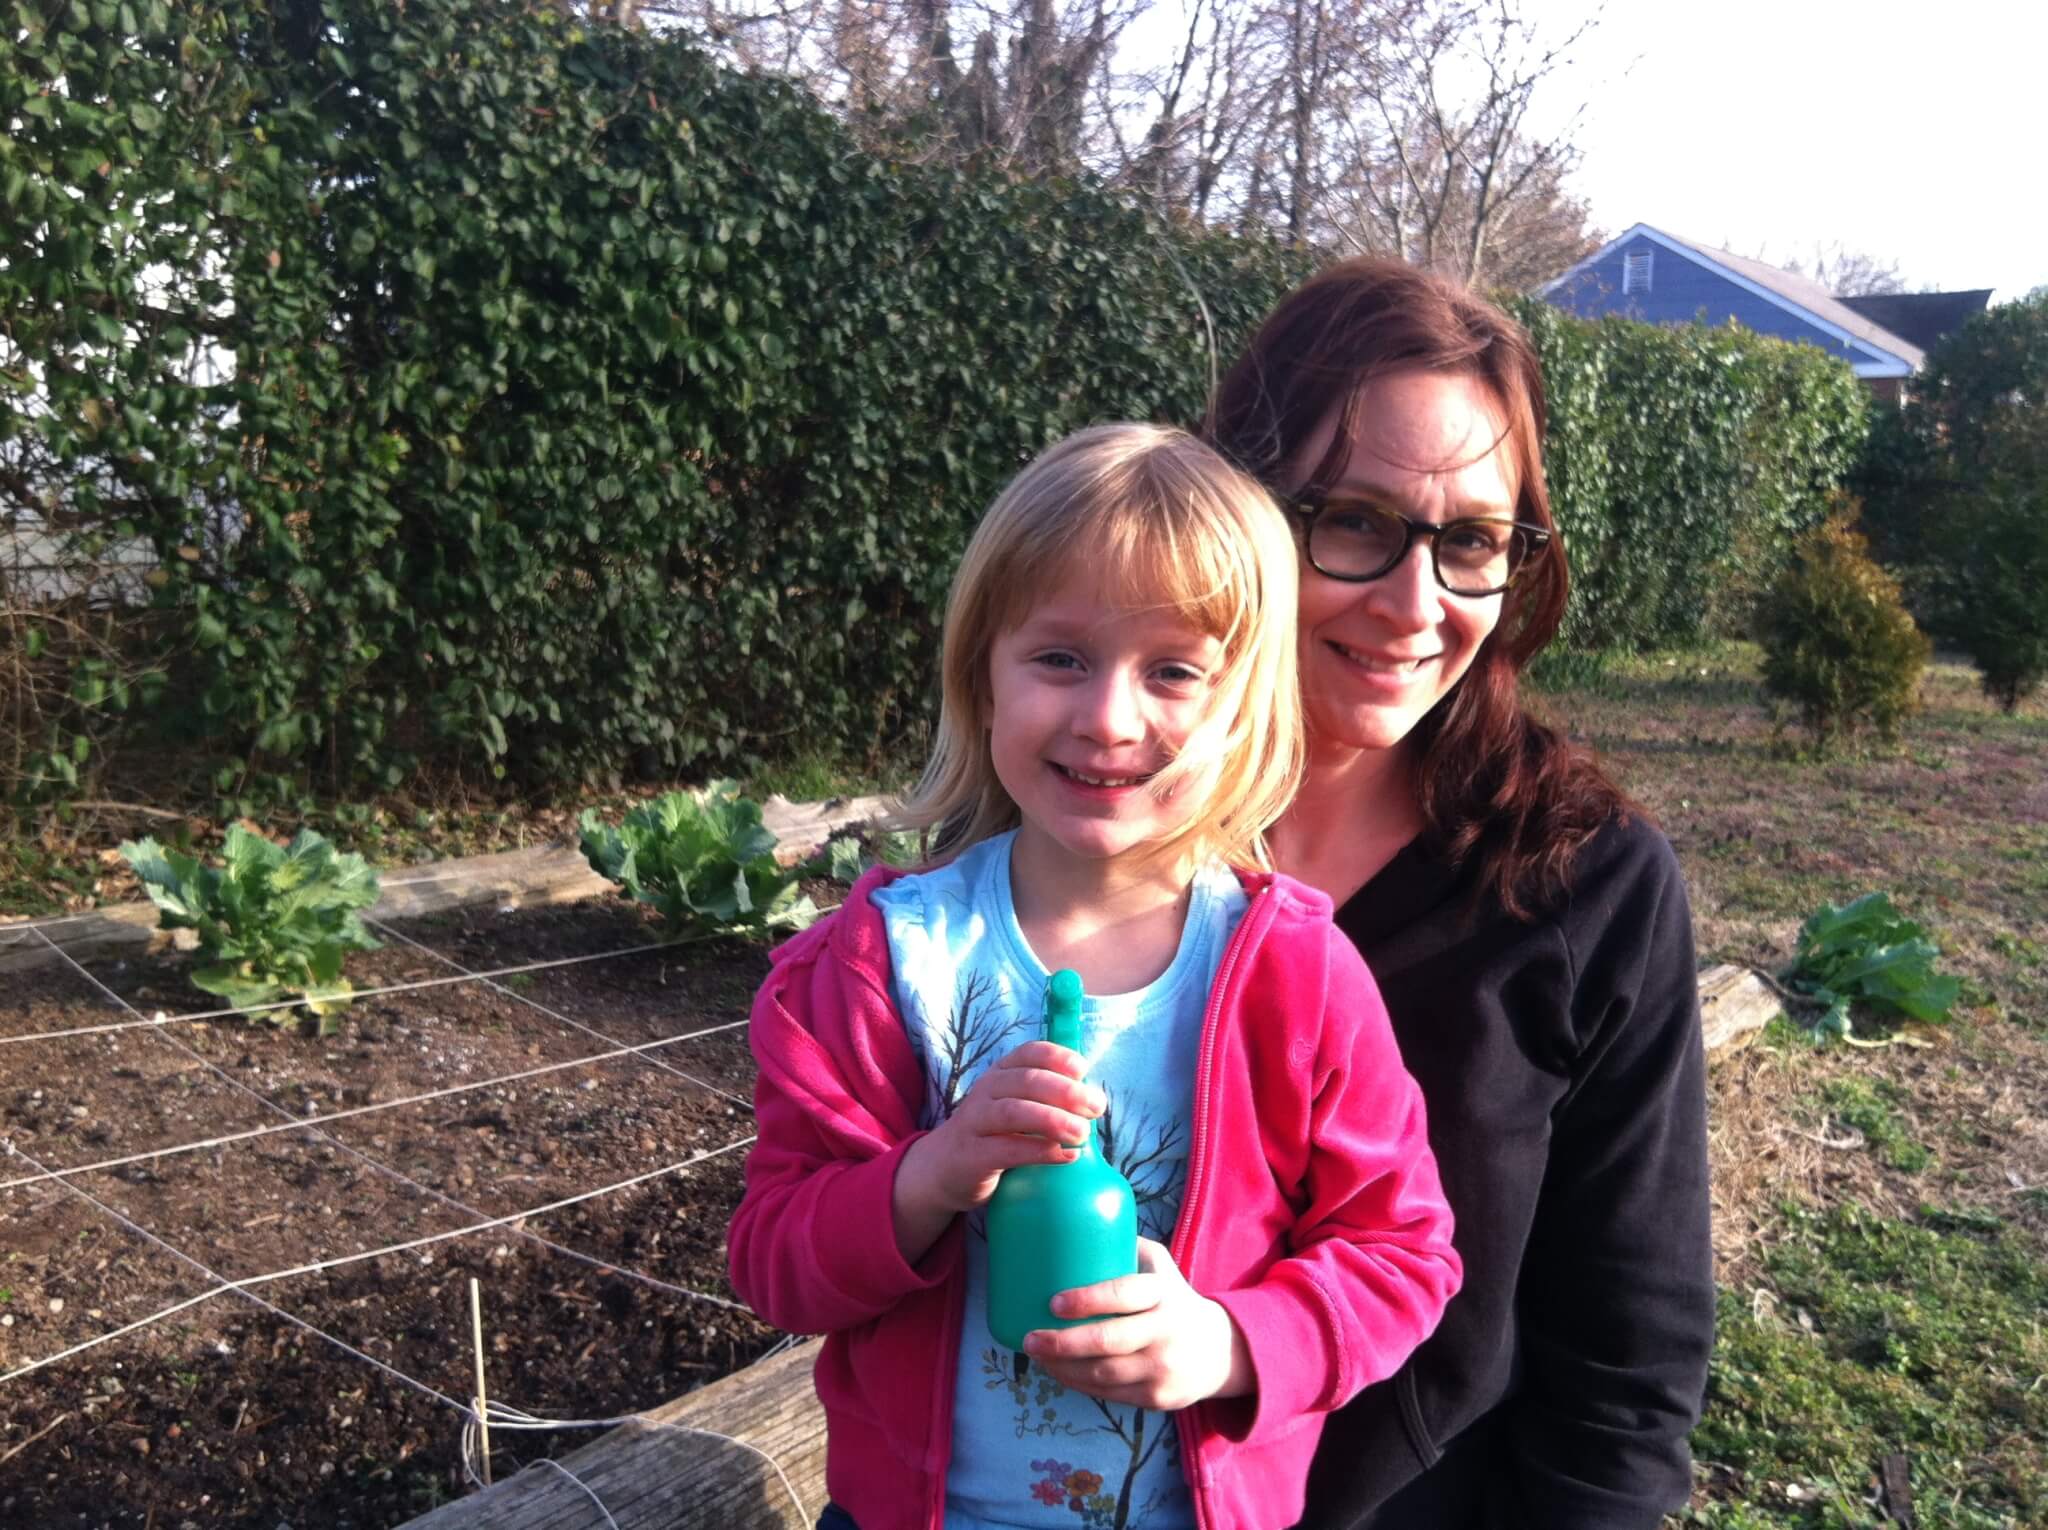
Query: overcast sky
{"type": "Point", "coordinates": [1912, 133]}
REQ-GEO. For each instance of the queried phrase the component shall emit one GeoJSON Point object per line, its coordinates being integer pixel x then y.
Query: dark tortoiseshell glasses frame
{"type": "Point", "coordinates": [1524, 546]}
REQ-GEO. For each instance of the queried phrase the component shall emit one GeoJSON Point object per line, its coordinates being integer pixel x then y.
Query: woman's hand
{"type": "Point", "coordinates": [1162, 1344]}
{"type": "Point", "coordinates": [1030, 1107]}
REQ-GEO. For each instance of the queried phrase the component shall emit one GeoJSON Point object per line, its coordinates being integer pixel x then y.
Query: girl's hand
{"type": "Point", "coordinates": [1166, 1347]}
{"type": "Point", "coordinates": [1029, 1107]}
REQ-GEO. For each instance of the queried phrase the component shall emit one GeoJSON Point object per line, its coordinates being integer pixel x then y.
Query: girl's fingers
{"type": "Point", "coordinates": [995, 1153]}
{"type": "Point", "coordinates": [1127, 1293]}
{"type": "Point", "coordinates": [1101, 1378]}
{"type": "Point", "coordinates": [1047, 1055]}
{"type": "Point", "coordinates": [1116, 1336]}
{"type": "Point", "coordinates": [1041, 1084]}
{"type": "Point", "coordinates": [1025, 1117]}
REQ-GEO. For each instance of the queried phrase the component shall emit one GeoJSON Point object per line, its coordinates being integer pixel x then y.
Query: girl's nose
{"type": "Point", "coordinates": [1110, 711]}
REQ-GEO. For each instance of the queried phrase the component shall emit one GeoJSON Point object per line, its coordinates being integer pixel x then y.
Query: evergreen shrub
{"type": "Point", "coordinates": [1837, 639]}
{"type": "Point", "coordinates": [1995, 570]}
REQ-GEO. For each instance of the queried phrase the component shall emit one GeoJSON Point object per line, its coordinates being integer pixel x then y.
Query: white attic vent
{"type": "Point", "coordinates": [1635, 271]}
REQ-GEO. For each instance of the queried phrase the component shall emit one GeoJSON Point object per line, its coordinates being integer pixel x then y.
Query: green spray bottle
{"type": "Point", "coordinates": [1054, 1226]}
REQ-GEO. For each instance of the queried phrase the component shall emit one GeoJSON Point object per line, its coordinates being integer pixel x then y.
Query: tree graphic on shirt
{"type": "Point", "coordinates": [974, 1035]}
{"type": "Point", "coordinates": [1151, 1154]}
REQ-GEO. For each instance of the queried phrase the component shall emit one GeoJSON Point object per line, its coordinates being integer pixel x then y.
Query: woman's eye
{"type": "Point", "coordinates": [1476, 539]}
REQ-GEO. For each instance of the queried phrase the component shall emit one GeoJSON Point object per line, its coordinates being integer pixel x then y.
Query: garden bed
{"type": "Point", "coordinates": [227, 1414]}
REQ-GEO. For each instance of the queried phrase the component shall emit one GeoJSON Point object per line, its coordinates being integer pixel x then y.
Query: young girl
{"type": "Point", "coordinates": [1119, 725]}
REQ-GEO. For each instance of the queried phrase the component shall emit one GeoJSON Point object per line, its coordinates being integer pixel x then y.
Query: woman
{"type": "Point", "coordinates": [1527, 925]}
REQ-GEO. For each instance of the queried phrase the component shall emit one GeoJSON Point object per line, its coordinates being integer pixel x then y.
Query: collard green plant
{"type": "Point", "coordinates": [272, 921]}
{"type": "Point", "coordinates": [1867, 953]}
{"type": "Point", "coordinates": [704, 859]}
{"type": "Point", "coordinates": [848, 857]}
{"type": "Point", "coordinates": [1837, 639]}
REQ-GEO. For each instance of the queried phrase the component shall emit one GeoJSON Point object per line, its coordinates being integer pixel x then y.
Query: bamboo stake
{"type": "Point", "coordinates": [476, 1330]}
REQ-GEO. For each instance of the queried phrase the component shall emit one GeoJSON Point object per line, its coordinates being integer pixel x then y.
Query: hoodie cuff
{"type": "Point", "coordinates": [1295, 1364]}
{"type": "Point", "coordinates": [868, 1269]}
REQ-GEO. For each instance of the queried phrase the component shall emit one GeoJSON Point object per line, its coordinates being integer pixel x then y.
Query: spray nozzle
{"type": "Point", "coordinates": [1063, 1009]}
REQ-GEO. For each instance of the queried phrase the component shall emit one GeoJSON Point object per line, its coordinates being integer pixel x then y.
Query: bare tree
{"type": "Point", "coordinates": [1848, 273]}
{"type": "Point", "coordinates": [1443, 159]}
{"type": "Point", "coordinates": [1398, 127]}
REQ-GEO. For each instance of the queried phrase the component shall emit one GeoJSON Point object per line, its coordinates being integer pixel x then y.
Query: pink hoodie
{"type": "Point", "coordinates": [1312, 1211]}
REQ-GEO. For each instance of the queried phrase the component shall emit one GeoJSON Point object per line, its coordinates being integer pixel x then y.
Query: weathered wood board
{"type": "Point", "coordinates": [658, 1475]}
{"type": "Point", "coordinates": [1734, 1005]}
{"type": "Point", "coordinates": [512, 878]}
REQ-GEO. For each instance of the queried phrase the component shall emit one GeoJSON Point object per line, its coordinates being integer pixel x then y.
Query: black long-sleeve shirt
{"type": "Point", "coordinates": [1562, 1068]}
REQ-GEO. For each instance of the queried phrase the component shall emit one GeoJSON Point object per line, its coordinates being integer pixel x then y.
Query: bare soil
{"type": "Point", "coordinates": [228, 1413]}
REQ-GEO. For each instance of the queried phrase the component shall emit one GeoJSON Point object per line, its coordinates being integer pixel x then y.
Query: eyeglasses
{"type": "Point", "coordinates": [1358, 541]}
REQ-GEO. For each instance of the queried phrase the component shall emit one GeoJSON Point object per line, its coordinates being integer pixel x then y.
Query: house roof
{"type": "Point", "coordinates": [1921, 318]}
{"type": "Point", "coordinates": [1787, 289]}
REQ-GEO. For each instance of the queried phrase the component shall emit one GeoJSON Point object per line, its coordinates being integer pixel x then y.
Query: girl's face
{"type": "Point", "coordinates": [1087, 703]}
{"type": "Point", "coordinates": [1375, 657]}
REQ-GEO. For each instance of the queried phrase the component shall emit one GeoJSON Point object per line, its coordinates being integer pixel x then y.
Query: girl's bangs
{"type": "Point", "coordinates": [1131, 559]}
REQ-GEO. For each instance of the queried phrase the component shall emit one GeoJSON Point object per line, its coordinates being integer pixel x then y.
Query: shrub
{"type": "Point", "coordinates": [272, 920]}
{"type": "Point", "coordinates": [1997, 570]}
{"type": "Point", "coordinates": [1683, 462]}
{"type": "Point", "coordinates": [1837, 640]}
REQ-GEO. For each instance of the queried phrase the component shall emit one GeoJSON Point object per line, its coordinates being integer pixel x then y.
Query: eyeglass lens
{"type": "Point", "coordinates": [1473, 557]}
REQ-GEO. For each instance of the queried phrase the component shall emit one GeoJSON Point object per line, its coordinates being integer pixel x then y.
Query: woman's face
{"type": "Point", "coordinates": [1375, 657]}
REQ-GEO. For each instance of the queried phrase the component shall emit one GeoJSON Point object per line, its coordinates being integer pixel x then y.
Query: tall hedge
{"type": "Point", "coordinates": [589, 406]}
{"type": "Point", "coordinates": [593, 409]}
{"type": "Point", "coordinates": [1683, 464]}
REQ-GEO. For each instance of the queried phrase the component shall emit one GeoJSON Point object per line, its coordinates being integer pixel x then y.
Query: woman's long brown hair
{"type": "Point", "coordinates": [1495, 783]}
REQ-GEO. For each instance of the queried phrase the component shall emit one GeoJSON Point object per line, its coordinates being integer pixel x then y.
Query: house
{"type": "Point", "coordinates": [1657, 277]}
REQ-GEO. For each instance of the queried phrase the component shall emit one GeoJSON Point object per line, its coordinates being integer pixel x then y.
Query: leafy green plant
{"type": "Point", "coordinates": [1867, 953]}
{"type": "Point", "coordinates": [846, 858]}
{"type": "Point", "coordinates": [272, 921]}
{"type": "Point", "coordinates": [1837, 639]}
{"type": "Point", "coordinates": [704, 859]}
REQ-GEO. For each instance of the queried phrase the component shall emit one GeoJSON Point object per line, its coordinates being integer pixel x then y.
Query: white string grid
{"type": "Point", "coordinates": [314, 1128]}
{"type": "Point", "coordinates": [499, 1416]}
{"type": "Point", "coordinates": [160, 1019]}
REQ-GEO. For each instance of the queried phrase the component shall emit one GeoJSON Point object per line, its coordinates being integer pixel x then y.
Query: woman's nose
{"type": "Point", "coordinates": [1407, 596]}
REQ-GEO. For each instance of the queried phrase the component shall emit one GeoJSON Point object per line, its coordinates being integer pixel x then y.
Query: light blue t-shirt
{"type": "Point", "coordinates": [1026, 1451]}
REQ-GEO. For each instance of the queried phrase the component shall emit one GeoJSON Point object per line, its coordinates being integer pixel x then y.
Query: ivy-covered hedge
{"type": "Point", "coordinates": [592, 409]}
{"type": "Point", "coordinates": [1684, 462]}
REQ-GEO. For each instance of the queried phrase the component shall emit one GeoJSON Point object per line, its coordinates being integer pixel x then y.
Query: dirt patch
{"type": "Point", "coordinates": [228, 1414]}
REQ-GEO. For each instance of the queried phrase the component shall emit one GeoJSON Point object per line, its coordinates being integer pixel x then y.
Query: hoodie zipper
{"type": "Point", "coordinates": [1251, 926]}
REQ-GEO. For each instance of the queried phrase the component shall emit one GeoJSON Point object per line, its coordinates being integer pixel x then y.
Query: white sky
{"type": "Point", "coordinates": [1915, 133]}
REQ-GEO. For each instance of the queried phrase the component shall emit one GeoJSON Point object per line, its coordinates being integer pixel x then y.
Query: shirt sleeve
{"type": "Point", "coordinates": [1373, 1264]}
{"type": "Point", "coordinates": [1617, 1296]}
{"type": "Point", "coordinates": [813, 1243]}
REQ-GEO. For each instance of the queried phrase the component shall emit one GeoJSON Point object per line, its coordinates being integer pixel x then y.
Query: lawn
{"type": "Point", "coordinates": [1881, 1213]}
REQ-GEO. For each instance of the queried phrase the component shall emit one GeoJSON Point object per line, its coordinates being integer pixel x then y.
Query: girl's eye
{"type": "Point", "coordinates": [1057, 660]}
{"type": "Point", "coordinates": [1178, 674]}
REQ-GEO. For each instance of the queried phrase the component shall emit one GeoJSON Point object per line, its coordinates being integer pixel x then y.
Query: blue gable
{"type": "Point", "coordinates": [1686, 289]}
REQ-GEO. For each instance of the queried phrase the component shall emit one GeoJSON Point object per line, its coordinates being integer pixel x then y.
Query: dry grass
{"type": "Point", "coordinates": [1952, 821]}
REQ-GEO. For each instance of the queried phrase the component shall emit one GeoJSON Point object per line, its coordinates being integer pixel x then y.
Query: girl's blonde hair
{"type": "Point", "coordinates": [1156, 520]}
